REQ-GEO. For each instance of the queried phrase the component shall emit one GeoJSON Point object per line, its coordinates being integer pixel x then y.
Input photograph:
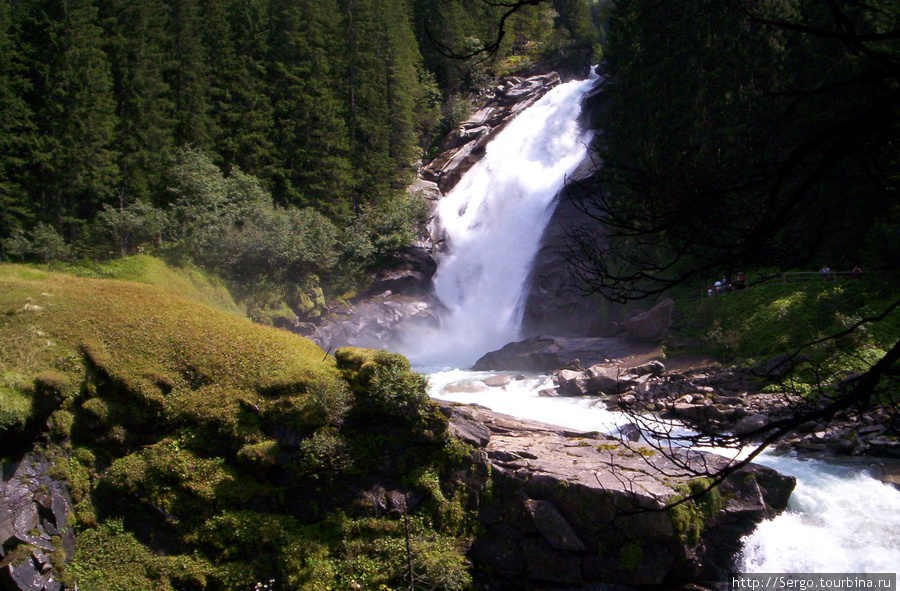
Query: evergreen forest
{"type": "Point", "coordinates": [746, 136]}
{"type": "Point", "coordinates": [266, 140]}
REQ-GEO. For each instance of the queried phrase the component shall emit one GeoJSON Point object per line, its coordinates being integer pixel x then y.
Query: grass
{"type": "Point", "coordinates": [768, 320]}
{"type": "Point", "coordinates": [204, 451]}
{"type": "Point", "coordinates": [190, 283]}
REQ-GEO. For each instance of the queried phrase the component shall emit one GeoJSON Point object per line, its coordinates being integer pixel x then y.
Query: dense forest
{"type": "Point", "coordinates": [207, 126]}
{"type": "Point", "coordinates": [746, 135]}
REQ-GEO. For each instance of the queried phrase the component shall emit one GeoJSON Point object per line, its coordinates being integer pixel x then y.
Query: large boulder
{"type": "Point", "coordinates": [574, 509]}
{"type": "Point", "coordinates": [407, 273]}
{"type": "Point", "coordinates": [650, 326]}
{"type": "Point", "coordinates": [550, 353]}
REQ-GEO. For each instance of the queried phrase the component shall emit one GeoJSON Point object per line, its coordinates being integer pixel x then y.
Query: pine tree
{"type": "Point", "coordinates": [74, 170]}
{"type": "Point", "coordinates": [16, 126]}
{"type": "Point", "coordinates": [188, 75]}
{"type": "Point", "coordinates": [145, 134]}
{"type": "Point", "coordinates": [312, 166]}
{"type": "Point", "coordinates": [240, 86]}
{"type": "Point", "coordinates": [382, 87]}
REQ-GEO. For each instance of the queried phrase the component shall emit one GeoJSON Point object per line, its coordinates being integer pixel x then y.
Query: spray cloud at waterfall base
{"type": "Point", "coordinates": [493, 221]}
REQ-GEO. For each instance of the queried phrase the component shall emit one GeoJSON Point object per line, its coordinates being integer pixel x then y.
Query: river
{"type": "Point", "coordinates": [839, 520]}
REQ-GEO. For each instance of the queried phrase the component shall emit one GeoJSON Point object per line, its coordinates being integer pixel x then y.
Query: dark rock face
{"type": "Point", "coordinates": [549, 353]}
{"type": "Point", "coordinates": [574, 509]}
{"type": "Point", "coordinates": [409, 273]}
{"type": "Point", "coordinates": [650, 326]}
{"type": "Point", "coordinates": [34, 510]}
{"type": "Point", "coordinates": [553, 304]}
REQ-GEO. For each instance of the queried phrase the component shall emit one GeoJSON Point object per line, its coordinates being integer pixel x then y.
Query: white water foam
{"type": "Point", "coordinates": [839, 520]}
{"type": "Point", "coordinates": [493, 220]}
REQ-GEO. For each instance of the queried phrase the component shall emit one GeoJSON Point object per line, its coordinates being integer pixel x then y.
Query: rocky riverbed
{"type": "Point", "coordinates": [571, 508]}
{"type": "Point", "coordinates": [729, 400]}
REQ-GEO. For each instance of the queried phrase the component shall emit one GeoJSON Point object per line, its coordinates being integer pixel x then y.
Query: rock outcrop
{"type": "Point", "coordinates": [375, 322]}
{"type": "Point", "coordinates": [572, 509]}
{"type": "Point", "coordinates": [730, 400]}
{"type": "Point", "coordinates": [407, 273]}
{"type": "Point", "coordinates": [35, 537]}
{"type": "Point", "coordinates": [399, 296]}
{"type": "Point", "coordinates": [464, 146]}
{"type": "Point", "coordinates": [550, 353]}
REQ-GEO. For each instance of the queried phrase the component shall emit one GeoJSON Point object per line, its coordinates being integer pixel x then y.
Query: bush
{"type": "Point", "coordinates": [15, 410]}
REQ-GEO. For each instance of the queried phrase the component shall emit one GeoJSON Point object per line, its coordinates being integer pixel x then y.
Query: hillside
{"type": "Point", "coordinates": [203, 451]}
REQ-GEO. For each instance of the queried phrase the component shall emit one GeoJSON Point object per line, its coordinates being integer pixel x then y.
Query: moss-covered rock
{"type": "Point", "coordinates": [203, 451]}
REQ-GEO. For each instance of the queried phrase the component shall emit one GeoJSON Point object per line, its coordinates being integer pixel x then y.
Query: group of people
{"type": "Point", "coordinates": [723, 285]}
{"type": "Point", "coordinates": [828, 274]}
{"type": "Point", "coordinates": [740, 281]}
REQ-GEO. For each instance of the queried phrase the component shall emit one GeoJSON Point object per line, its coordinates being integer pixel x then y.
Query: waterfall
{"type": "Point", "coordinates": [493, 221]}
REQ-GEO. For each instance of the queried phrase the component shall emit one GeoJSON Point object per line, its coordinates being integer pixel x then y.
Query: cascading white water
{"type": "Point", "coordinates": [839, 519]}
{"type": "Point", "coordinates": [493, 221]}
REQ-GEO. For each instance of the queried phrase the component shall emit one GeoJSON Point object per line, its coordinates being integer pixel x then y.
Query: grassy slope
{"type": "Point", "coordinates": [142, 335]}
{"type": "Point", "coordinates": [767, 320]}
{"type": "Point", "coordinates": [205, 451]}
{"type": "Point", "coordinates": [188, 282]}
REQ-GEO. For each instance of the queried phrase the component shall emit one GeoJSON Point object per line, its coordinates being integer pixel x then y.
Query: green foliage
{"type": "Point", "coordinates": [737, 132]}
{"type": "Point", "coordinates": [259, 455]}
{"type": "Point", "coordinates": [768, 320]}
{"type": "Point", "coordinates": [15, 410]}
{"type": "Point", "coordinates": [110, 558]}
{"type": "Point", "coordinates": [631, 556]}
{"type": "Point", "coordinates": [17, 245]}
{"type": "Point", "coordinates": [129, 228]}
{"type": "Point", "coordinates": [48, 244]}
{"type": "Point", "coordinates": [229, 224]}
{"type": "Point", "coordinates": [323, 456]}
{"type": "Point", "coordinates": [690, 518]}
{"type": "Point", "coordinates": [384, 384]}
{"type": "Point", "coordinates": [206, 452]}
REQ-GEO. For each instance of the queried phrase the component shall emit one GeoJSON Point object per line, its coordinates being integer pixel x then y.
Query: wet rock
{"type": "Point", "coordinates": [34, 509]}
{"type": "Point", "coordinates": [750, 424]}
{"type": "Point", "coordinates": [470, 387]}
{"type": "Point", "coordinates": [888, 473]}
{"type": "Point", "coordinates": [578, 508]}
{"type": "Point", "coordinates": [885, 447]}
{"type": "Point", "coordinates": [465, 146]}
{"type": "Point", "coordinates": [375, 322]}
{"type": "Point", "coordinates": [498, 381]}
{"type": "Point", "coordinates": [407, 273]}
{"type": "Point", "coordinates": [630, 432]}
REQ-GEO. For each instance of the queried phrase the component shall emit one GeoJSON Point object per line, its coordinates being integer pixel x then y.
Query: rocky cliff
{"type": "Point", "coordinates": [572, 509]}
